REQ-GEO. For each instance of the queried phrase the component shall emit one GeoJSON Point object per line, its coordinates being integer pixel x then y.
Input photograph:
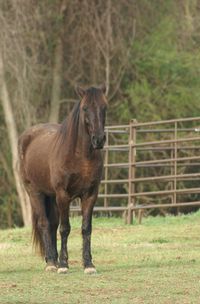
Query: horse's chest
{"type": "Point", "coordinates": [88, 172]}
{"type": "Point", "coordinates": [87, 177]}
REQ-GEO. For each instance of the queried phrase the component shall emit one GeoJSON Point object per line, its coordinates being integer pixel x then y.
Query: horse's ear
{"type": "Point", "coordinates": [103, 88]}
{"type": "Point", "coordinates": [80, 91]}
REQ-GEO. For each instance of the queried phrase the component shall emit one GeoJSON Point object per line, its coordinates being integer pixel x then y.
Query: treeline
{"type": "Point", "coordinates": [146, 52]}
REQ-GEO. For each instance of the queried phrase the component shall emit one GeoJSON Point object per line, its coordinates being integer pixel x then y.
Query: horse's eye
{"type": "Point", "coordinates": [85, 108]}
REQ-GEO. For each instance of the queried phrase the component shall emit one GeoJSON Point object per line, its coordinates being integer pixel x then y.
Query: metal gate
{"type": "Point", "coordinates": [151, 165]}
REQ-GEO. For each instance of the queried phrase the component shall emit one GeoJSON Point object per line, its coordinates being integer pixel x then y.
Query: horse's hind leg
{"type": "Point", "coordinates": [42, 230]}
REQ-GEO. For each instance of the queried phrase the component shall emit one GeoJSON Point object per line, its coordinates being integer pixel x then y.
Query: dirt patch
{"type": "Point", "coordinates": [74, 262]}
{"type": "Point", "coordinates": [4, 246]}
{"type": "Point", "coordinates": [11, 285]}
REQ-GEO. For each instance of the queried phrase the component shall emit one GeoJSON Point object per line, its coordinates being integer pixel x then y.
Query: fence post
{"type": "Point", "coordinates": [175, 162]}
{"type": "Point", "coordinates": [106, 170]}
{"type": "Point", "coordinates": [131, 173]}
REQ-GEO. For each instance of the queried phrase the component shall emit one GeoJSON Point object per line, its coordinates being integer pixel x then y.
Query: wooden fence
{"type": "Point", "coordinates": [150, 165]}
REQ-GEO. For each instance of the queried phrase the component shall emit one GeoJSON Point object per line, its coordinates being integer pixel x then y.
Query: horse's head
{"type": "Point", "coordinates": [93, 113]}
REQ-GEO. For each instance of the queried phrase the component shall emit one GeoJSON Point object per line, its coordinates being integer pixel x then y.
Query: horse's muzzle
{"type": "Point", "coordinates": [98, 141]}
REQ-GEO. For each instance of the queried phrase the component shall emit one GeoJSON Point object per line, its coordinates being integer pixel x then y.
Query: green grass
{"type": "Point", "coordinates": [156, 262]}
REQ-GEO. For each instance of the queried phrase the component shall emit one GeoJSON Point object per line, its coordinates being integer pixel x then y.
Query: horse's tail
{"type": "Point", "coordinates": [37, 240]}
{"type": "Point", "coordinates": [51, 214]}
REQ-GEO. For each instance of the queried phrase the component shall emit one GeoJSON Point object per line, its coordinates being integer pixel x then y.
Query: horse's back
{"type": "Point", "coordinates": [35, 132]}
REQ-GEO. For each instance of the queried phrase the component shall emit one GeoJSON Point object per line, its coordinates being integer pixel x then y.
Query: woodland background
{"type": "Point", "coordinates": [147, 52]}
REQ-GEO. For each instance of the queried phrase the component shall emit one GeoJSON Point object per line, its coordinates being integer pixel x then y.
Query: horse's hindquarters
{"type": "Point", "coordinates": [35, 151]}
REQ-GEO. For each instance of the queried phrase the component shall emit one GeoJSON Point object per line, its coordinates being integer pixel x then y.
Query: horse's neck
{"type": "Point", "coordinates": [83, 147]}
{"type": "Point", "coordinates": [76, 144]}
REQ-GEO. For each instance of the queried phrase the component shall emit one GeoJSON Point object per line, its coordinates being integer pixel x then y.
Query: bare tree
{"type": "Point", "coordinates": [109, 40]}
{"type": "Point", "coordinates": [18, 77]}
{"type": "Point", "coordinates": [12, 134]}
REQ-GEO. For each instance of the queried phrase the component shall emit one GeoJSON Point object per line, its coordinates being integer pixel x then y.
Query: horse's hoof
{"type": "Point", "coordinates": [90, 270]}
{"type": "Point", "coordinates": [51, 268]}
{"type": "Point", "coordinates": [62, 270]}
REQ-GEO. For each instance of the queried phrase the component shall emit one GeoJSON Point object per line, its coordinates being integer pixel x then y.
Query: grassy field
{"type": "Point", "coordinates": [156, 262]}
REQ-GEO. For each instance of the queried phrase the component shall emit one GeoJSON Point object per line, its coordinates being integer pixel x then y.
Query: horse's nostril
{"type": "Point", "coordinates": [98, 141]}
{"type": "Point", "coordinates": [93, 139]}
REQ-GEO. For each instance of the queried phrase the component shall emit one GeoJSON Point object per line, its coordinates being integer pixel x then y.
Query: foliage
{"type": "Point", "coordinates": [165, 81]}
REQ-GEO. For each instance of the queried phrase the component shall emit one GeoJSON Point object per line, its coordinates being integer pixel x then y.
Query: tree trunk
{"type": "Point", "coordinates": [188, 17]}
{"type": "Point", "coordinates": [58, 68]}
{"type": "Point", "coordinates": [57, 81]}
{"type": "Point", "coordinates": [13, 136]}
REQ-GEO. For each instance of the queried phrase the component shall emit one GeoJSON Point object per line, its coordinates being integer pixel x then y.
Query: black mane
{"type": "Point", "coordinates": [69, 128]}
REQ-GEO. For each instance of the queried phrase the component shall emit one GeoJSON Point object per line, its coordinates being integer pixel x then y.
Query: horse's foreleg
{"type": "Point", "coordinates": [87, 209]}
{"type": "Point", "coordinates": [63, 207]}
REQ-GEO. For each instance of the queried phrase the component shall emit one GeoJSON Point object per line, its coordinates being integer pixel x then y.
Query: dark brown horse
{"type": "Point", "coordinates": [58, 163]}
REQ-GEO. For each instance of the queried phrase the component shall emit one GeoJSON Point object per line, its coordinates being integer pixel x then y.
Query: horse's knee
{"type": "Point", "coordinates": [86, 229]}
{"type": "Point", "coordinates": [65, 229]}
